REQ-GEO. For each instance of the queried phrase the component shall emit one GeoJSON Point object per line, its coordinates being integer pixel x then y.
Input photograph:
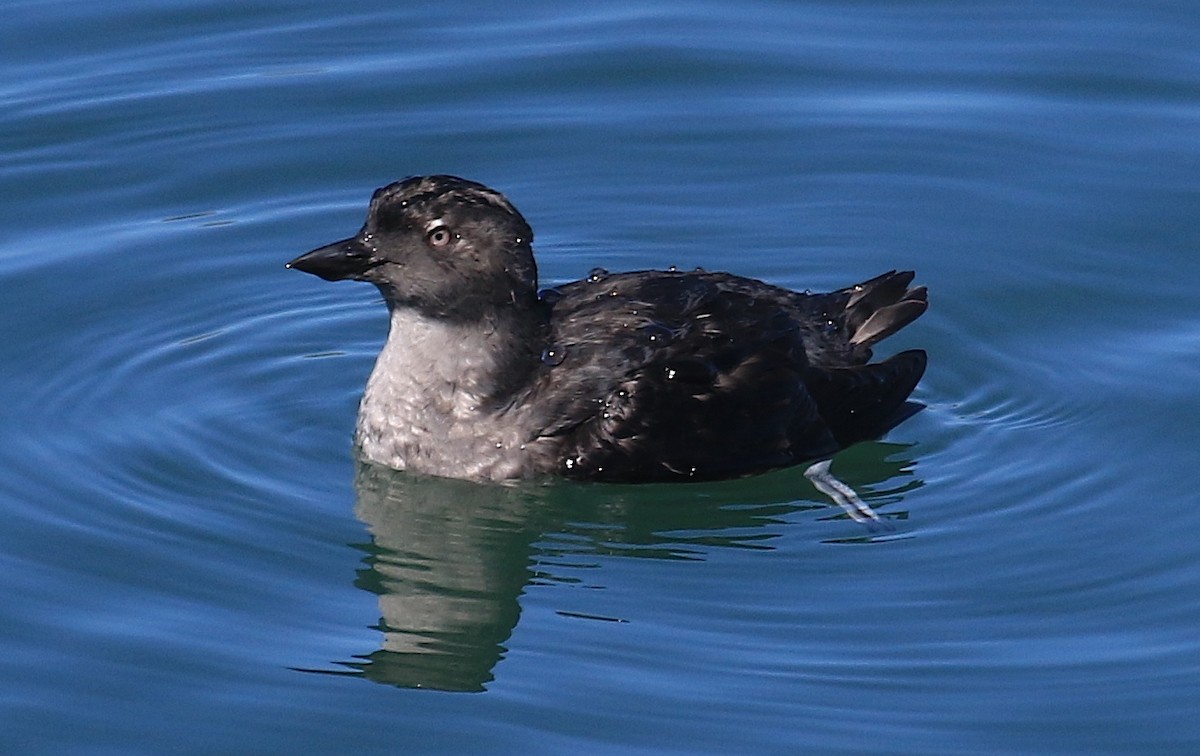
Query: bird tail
{"type": "Point", "coordinates": [882, 306]}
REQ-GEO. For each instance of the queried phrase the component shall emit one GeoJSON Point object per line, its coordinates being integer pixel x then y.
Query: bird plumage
{"type": "Point", "coordinates": [639, 376]}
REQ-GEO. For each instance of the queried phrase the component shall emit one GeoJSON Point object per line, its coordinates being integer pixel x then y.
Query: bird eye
{"type": "Point", "coordinates": [439, 237]}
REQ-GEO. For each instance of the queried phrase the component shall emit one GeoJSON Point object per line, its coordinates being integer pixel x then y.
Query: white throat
{"type": "Point", "coordinates": [424, 406]}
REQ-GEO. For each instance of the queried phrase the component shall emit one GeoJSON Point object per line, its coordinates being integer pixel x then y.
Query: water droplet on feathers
{"type": "Point", "coordinates": [657, 333]}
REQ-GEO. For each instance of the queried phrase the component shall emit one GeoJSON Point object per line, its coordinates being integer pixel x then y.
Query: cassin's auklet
{"type": "Point", "coordinates": [643, 376]}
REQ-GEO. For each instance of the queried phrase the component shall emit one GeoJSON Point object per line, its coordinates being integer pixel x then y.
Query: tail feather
{"type": "Point", "coordinates": [882, 306]}
{"type": "Point", "coordinates": [887, 320]}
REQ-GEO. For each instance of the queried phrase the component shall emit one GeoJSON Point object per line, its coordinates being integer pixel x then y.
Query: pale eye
{"type": "Point", "coordinates": [439, 237]}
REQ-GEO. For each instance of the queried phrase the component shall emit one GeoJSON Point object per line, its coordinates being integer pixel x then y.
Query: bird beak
{"type": "Point", "coordinates": [348, 258]}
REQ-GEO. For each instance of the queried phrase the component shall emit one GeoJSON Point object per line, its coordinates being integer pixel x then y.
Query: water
{"type": "Point", "coordinates": [192, 561]}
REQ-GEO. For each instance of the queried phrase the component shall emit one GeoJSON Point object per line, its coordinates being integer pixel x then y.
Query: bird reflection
{"type": "Point", "coordinates": [450, 559]}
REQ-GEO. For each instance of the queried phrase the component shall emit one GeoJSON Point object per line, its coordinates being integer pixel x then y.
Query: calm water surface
{"type": "Point", "coordinates": [193, 562]}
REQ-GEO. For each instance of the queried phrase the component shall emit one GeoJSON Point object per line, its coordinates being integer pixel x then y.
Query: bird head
{"type": "Point", "coordinates": [448, 247]}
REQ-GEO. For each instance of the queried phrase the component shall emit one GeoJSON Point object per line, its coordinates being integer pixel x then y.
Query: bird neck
{"type": "Point", "coordinates": [478, 362]}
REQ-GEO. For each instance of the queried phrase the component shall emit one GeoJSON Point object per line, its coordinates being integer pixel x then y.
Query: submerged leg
{"type": "Point", "coordinates": [842, 494]}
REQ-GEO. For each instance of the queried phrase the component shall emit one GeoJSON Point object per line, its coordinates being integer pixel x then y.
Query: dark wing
{"type": "Point", "coordinates": [866, 401]}
{"type": "Point", "coordinates": [705, 376]}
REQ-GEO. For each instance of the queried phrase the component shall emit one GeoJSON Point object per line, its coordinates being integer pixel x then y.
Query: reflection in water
{"type": "Point", "coordinates": [449, 559]}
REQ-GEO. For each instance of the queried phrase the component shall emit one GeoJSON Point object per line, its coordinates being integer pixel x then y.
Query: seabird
{"type": "Point", "coordinates": [628, 377]}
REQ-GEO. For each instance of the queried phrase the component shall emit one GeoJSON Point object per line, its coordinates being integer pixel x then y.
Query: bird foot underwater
{"type": "Point", "coordinates": [844, 496]}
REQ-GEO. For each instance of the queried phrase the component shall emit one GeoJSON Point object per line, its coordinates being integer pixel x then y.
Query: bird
{"type": "Point", "coordinates": [628, 377]}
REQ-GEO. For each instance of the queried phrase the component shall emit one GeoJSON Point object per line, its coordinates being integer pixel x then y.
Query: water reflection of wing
{"type": "Point", "coordinates": [449, 559]}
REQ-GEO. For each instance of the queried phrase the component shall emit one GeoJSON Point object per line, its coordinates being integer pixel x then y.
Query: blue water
{"type": "Point", "coordinates": [192, 562]}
